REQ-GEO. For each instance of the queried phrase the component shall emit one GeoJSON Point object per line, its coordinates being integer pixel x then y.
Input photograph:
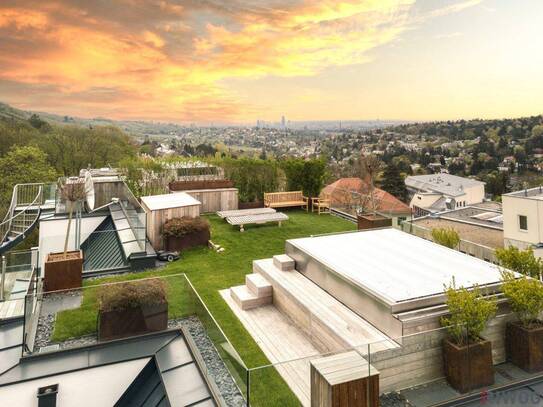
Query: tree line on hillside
{"type": "Point", "coordinates": [34, 150]}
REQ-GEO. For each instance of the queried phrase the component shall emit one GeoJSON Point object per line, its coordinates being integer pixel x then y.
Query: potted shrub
{"type": "Point", "coordinates": [132, 308]}
{"type": "Point", "coordinates": [64, 270]}
{"type": "Point", "coordinates": [524, 338]}
{"type": "Point", "coordinates": [182, 233]}
{"type": "Point", "coordinates": [467, 356]}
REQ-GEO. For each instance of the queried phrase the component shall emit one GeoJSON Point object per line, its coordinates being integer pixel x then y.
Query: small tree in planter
{"type": "Point", "coordinates": [182, 233]}
{"type": "Point", "coordinates": [132, 308]}
{"type": "Point", "coordinates": [524, 339]}
{"type": "Point", "coordinates": [467, 357]}
{"type": "Point", "coordinates": [64, 270]}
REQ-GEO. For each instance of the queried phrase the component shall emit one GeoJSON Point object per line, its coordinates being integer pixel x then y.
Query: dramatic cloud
{"type": "Point", "coordinates": [168, 60]}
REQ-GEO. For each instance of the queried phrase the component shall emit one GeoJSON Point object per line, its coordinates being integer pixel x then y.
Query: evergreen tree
{"type": "Point", "coordinates": [393, 182]}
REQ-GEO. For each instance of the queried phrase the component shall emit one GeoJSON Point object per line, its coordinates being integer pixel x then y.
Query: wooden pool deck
{"type": "Point", "coordinates": [285, 342]}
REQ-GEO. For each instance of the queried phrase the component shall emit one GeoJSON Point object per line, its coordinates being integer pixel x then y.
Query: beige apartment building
{"type": "Point", "coordinates": [523, 219]}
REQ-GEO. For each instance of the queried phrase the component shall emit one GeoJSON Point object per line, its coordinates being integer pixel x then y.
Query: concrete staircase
{"type": "Point", "coordinates": [257, 291]}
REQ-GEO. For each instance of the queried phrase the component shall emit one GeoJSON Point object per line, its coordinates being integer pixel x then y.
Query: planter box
{"type": "Point", "coordinates": [184, 242]}
{"type": "Point", "coordinates": [63, 273]}
{"type": "Point", "coordinates": [370, 221]}
{"type": "Point", "coordinates": [468, 367]}
{"type": "Point", "coordinates": [132, 321]}
{"type": "Point", "coordinates": [251, 205]}
{"type": "Point", "coordinates": [525, 346]}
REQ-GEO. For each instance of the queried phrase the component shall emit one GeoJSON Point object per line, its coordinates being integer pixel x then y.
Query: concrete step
{"type": "Point", "coordinates": [258, 285]}
{"type": "Point", "coordinates": [283, 262]}
{"type": "Point", "coordinates": [246, 299]}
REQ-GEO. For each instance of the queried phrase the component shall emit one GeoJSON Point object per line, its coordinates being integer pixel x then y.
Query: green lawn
{"type": "Point", "coordinates": [210, 272]}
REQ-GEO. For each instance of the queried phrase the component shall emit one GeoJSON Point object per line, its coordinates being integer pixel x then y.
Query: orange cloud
{"type": "Point", "coordinates": [160, 60]}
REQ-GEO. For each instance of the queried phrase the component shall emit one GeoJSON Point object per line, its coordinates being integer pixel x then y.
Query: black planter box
{"type": "Point", "coordinates": [132, 321]}
{"type": "Point", "coordinates": [468, 367]}
{"type": "Point", "coordinates": [525, 346]}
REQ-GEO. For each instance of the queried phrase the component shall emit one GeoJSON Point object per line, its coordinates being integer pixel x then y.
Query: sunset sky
{"type": "Point", "coordinates": [240, 60]}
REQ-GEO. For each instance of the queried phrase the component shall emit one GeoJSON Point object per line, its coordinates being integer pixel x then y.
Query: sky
{"type": "Point", "coordinates": [237, 61]}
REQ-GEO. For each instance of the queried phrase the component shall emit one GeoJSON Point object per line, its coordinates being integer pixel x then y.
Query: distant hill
{"type": "Point", "coordinates": [136, 128]}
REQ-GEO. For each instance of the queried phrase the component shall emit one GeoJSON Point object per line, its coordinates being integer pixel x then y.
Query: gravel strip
{"type": "Point", "coordinates": [215, 365]}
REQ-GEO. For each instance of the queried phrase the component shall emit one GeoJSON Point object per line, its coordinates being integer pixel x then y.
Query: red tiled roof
{"type": "Point", "coordinates": [340, 192]}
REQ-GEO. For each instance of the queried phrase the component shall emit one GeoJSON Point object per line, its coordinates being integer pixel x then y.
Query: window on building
{"type": "Point", "coordinates": [523, 222]}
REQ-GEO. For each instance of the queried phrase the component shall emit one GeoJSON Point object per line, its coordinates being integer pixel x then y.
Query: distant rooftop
{"type": "Point", "coordinates": [488, 218]}
{"type": "Point", "coordinates": [447, 184]}
{"type": "Point", "coordinates": [532, 193]}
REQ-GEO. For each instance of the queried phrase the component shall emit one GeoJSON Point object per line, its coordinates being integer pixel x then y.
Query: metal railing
{"type": "Point", "coordinates": [23, 211]}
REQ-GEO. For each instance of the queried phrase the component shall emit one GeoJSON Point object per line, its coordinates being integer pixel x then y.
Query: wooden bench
{"type": "Point", "coordinates": [285, 199]}
{"type": "Point", "coordinates": [256, 219]}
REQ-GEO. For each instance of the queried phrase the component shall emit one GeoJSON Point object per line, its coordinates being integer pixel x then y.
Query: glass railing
{"type": "Point", "coordinates": [410, 370]}
{"type": "Point", "coordinates": [104, 310]}
{"type": "Point", "coordinates": [17, 270]}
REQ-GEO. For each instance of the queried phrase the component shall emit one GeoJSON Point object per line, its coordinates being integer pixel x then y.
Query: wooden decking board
{"type": "Point", "coordinates": [258, 218]}
{"type": "Point", "coordinates": [284, 343]}
{"type": "Point", "coordinates": [241, 212]}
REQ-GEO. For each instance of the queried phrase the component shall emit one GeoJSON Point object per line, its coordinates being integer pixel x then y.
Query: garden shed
{"type": "Point", "coordinates": [160, 208]}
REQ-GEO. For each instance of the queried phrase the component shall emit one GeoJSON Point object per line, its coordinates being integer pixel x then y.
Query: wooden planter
{"type": "Point", "coordinates": [132, 321]}
{"type": "Point", "coordinates": [63, 273]}
{"type": "Point", "coordinates": [468, 367]}
{"type": "Point", "coordinates": [525, 346]}
{"type": "Point", "coordinates": [175, 243]}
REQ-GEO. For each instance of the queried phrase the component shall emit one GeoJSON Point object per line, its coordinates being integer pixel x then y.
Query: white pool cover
{"type": "Point", "coordinates": [395, 265]}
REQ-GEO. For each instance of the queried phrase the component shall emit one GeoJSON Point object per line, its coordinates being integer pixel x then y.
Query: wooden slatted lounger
{"type": "Point", "coordinates": [241, 221]}
{"type": "Point", "coordinates": [242, 212]}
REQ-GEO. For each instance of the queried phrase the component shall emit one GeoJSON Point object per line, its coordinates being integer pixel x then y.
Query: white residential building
{"type": "Point", "coordinates": [523, 219]}
{"type": "Point", "coordinates": [439, 192]}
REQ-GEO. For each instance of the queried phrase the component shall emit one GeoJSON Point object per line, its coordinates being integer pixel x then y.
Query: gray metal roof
{"type": "Point", "coordinates": [102, 250]}
{"type": "Point", "coordinates": [159, 370]}
{"type": "Point", "coordinates": [447, 184]}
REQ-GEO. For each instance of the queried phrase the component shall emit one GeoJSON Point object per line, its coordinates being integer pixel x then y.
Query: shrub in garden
{"type": "Point", "coordinates": [447, 237]}
{"type": "Point", "coordinates": [525, 298]}
{"type": "Point", "coordinates": [136, 294]}
{"type": "Point", "coordinates": [178, 227]}
{"type": "Point", "coordinates": [521, 261]}
{"type": "Point", "coordinates": [469, 314]}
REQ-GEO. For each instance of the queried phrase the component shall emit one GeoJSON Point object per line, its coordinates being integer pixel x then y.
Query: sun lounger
{"type": "Point", "coordinates": [243, 212]}
{"type": "Point", "coordinates": [241, 221]}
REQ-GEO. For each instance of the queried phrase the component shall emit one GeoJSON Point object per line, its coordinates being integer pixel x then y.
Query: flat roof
{"type": "Point", "coordinates": [397, 266]}
{"type": "Point", "coordinates": [531, 193]}
{"type": "Point", "coordinates": [168, 201]}
{"type": "Point", "coordinates": [474, 233]}
{"type": "Point", "coordinates": [444, 183]}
